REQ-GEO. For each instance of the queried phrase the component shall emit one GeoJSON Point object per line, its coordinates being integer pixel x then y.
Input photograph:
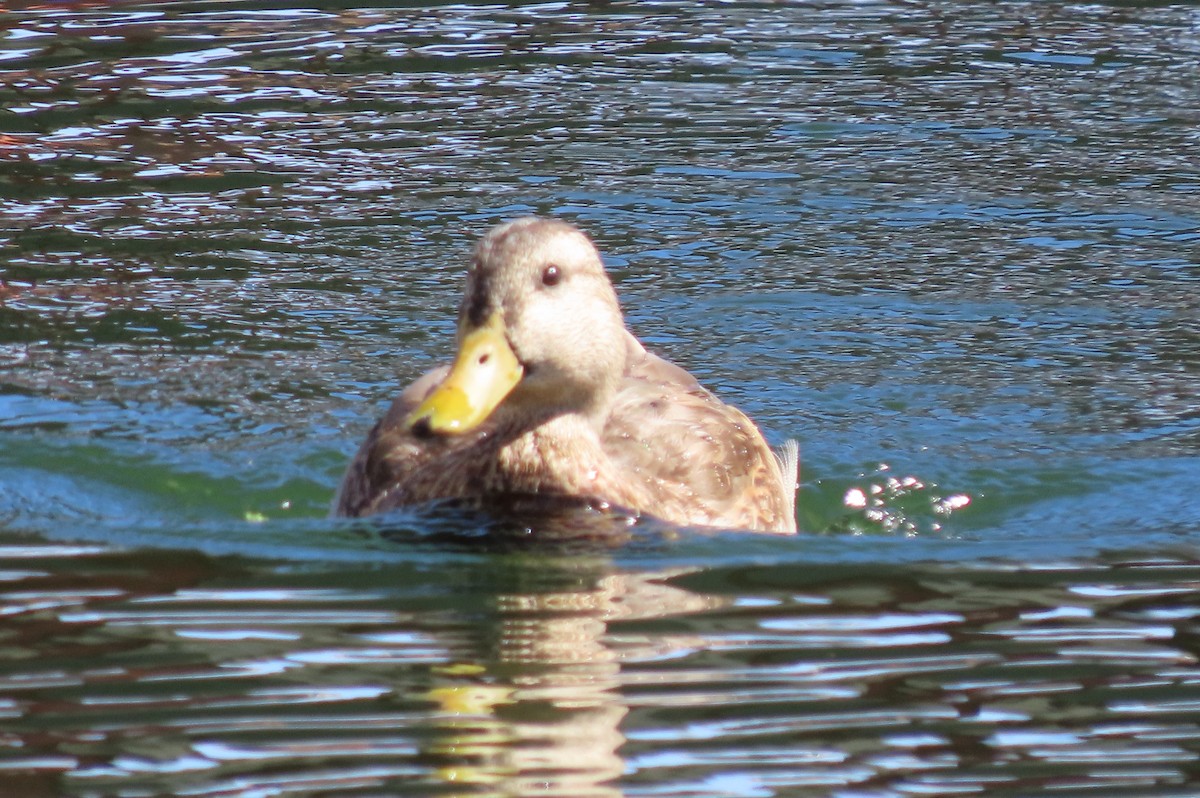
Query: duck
{"type": "Point", "coordinates": [549, 395]}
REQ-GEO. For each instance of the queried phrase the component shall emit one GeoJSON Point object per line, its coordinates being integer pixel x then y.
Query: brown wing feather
{"type": "Point", "coordinates": [388, 455]}
{"type": "Point", "coordinates": [688, 445]}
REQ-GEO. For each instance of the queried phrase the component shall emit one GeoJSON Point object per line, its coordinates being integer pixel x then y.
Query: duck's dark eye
{"type": "Point", "coordinates": [551, 275]}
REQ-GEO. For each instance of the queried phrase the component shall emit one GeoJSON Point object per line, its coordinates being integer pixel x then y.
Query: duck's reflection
{"type": "Point", "coordinates": [541, 709]}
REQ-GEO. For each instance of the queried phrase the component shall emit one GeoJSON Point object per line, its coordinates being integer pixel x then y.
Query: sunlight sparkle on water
{"type": "Point", "coordinates": [900, 504]}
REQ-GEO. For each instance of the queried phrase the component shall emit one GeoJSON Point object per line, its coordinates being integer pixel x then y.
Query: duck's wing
{"type": "Point", "coordinates": [690, 448]}
{"type": "Point", "coordinates": [388, 455]}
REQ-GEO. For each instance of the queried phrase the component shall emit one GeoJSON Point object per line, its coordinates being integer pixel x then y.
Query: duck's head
{"type": "Point", "coordinates": [539, 333]}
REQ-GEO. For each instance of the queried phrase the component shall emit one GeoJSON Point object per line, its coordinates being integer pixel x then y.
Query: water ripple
{"type": "Point", "coordinates": [945, 245]}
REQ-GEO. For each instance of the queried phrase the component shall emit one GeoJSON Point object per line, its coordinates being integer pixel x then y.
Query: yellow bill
{"type": "Point", "coordinates": [484, 372]}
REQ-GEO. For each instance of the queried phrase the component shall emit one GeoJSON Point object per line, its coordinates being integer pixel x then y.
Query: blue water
{"type": "Point", "coordinates": [951, 248]}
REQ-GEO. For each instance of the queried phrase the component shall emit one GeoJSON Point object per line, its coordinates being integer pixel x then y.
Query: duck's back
{"type": "Point", "coordinates": [701, 460]}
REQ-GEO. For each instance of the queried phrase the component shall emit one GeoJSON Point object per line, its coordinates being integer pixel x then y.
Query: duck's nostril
{"type": "Point", "coordinates": [484, 358]}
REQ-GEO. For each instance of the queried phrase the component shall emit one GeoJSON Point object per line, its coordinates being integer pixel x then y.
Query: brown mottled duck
{"type": "Point", "coordinates": [550, 395]}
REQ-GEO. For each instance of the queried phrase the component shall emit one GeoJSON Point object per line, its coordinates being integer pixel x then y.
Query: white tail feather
{"type": "Point", "coordinates": [789, 467]}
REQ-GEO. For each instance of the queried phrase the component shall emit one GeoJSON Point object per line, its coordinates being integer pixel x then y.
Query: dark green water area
{"type": "Point", "coordinates": [953, 248]}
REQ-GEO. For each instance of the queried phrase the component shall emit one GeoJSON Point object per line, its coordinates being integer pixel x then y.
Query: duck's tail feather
{"type": "Point", "coordinates": [789, 467]}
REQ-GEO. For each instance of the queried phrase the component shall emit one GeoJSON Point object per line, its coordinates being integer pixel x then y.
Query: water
{"type": "Point", "coordinates": [951, 248]}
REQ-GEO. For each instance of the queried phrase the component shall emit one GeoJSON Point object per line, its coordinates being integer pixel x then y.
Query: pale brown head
{"type": "Point", "coordinates": [540, 332]}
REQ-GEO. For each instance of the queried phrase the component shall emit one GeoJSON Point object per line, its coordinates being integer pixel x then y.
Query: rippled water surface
{"type": "Point", "coordinates": [953, 248]}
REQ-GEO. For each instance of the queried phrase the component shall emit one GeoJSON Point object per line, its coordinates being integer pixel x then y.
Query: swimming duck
{"type": "Point", "coordinates": [550, 395]}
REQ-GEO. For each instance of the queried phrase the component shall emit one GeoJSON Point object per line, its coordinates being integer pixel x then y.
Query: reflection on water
{"type": "Point", "coordinates": [212, 688]}
{"type": "Point", "coordinates": [950, 247]}
{"type": "Point", "coordinates": [518, 673]}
